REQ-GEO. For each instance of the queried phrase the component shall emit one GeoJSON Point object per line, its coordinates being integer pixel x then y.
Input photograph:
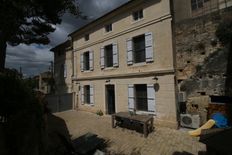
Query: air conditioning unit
{"type": "Point", "coordinates": [190, 121]}
{"type": "Point", "coordinates": [182, 97]}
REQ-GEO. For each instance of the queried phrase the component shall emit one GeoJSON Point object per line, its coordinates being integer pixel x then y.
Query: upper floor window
{"type": "Point", "coordinates": [86, 37]}
{"type": "Point", "coordinates": [138, 15]}
{"type": "Point", "coordinates": [139, 49]}
{"type": "Point", "coordinates": [196, 4]}
{"type": "Point", "coordinates": [109, 56]}
{"type": "Point", "coordinates": [108, 28]}
{"type": "Point", "coordinates": [86, 60]}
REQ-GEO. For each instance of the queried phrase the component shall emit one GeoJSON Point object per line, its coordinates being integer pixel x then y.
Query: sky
{"type": "Point", "coordinates": [35, 58]}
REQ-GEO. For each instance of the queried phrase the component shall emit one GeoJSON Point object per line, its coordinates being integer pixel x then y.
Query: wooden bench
{"type": "Point", "coordinates": [145, 120]}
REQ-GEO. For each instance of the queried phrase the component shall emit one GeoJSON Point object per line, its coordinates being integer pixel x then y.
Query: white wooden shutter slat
{"type": "Point", "coordinates": [115, 55]}
{"type": "Point", "coordinates": [151, 97]}
{"type": "Point", "coordinates": [129, 52]}
{"type": "Point", "coordinates": [149, 46]}
{"type": "Point", "coordinates": [82, 62]}
{"type": "Point", "coordinates": [91, 95]}
{"type": "Point", "coordinates": [102, 57]}
{"type": "Point", "coordinates": [82, 95]}
{"type": "Point", "coordinates": [131, 98]}
{"type": "Point", "coordinates": [91, 60]}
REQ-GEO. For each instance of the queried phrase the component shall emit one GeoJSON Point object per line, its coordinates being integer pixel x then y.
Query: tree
{"type": "Point", "coordinates": [30, 21]}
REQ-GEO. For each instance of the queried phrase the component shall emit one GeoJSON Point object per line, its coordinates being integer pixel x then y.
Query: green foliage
{"type": "Point", "coordinates": [99, 113]}
{"type": "Point", "coordinates": [25, 123]}
{"type": "Point", "coordinates": [24, 21]}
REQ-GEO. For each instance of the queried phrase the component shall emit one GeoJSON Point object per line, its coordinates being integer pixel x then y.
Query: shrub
{"type": "Point", "coordinates": [99, 113]}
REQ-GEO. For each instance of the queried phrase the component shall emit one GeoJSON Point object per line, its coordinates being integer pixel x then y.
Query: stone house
{"type": "Point", "coordinates": [63, 67]}
{"type": "Point", "coordinates": [124, 61]}
{"type": "Point", "coordinates": [43, 82]}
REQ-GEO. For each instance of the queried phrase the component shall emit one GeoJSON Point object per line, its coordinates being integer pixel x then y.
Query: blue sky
{"type": "Point", "coordinates": [35, 59]}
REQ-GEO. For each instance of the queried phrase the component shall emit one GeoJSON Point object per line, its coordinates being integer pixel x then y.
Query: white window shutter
{"type": "Point", "coordinates": [151, 97]}
{"type": "Point", "coordinates": [149, 46]}
{"type": "Point", "coordinates": [65, 70]}
{"type": "Point", "coordinates": [82, 62]}
{"type": "Point", "coordinates": [115, 55]}
{"type": "Point", "coordinates": [91, 95]}
{"type": "Point", "coordinates": [82, 95]}
{"type": "Point", "coordinates": [131, 98]}
{"type": "Point", "coordinates": [91, 60]}
{"type": "Point", "coordinates": [129, 52]}
{"type": "Point", "coordinates": [102, 58]}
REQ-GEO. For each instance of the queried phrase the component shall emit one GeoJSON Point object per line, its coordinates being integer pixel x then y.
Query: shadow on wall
{"type": "Point", "coordinates": [228, 83]}
{"type": "Point", "coordinates": [187, 153]}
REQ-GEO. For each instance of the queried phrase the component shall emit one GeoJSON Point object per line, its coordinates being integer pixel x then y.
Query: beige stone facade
{"type": "Point", "coordinates": [155, 71]}
{"type": "Point", "coordinates": [125, 80]}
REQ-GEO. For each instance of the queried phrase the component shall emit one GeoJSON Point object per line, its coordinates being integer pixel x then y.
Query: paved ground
{"type": "Point", "coordinates": [163, 141]}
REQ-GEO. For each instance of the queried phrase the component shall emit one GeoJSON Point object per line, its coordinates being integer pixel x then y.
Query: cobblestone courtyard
{"type": "Point", "coordinates": [163, 141]}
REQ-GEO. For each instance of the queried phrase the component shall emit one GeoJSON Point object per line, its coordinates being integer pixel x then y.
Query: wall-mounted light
{"type": "Point", "coordinates": [107, 81]}
{"type": "Point", "coordinates": [155, 78]}
{"type": "Point", "coordinates": [156, 85]}
{"type": "Point", "coordinates": [79, 86]}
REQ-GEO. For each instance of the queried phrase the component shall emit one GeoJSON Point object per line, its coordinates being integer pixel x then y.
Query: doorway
{"type": "Point", "coordinates": [110, 99]}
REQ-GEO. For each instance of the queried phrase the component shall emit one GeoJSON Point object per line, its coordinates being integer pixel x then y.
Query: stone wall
{"type": "Point", "coordinates": [201, 60]}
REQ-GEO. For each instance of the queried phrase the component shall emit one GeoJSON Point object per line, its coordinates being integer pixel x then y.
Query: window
{"type": "Point", "coordinates": [86, 37]}
{"type": "Point", "coordinates": [139, 49]}
{"type": "Point", "coordinates": [108, 28]}
{"type": "Point", "coordinates": [109, 56]}
{"type": "Point", "coordinates": [138, 15]}
{"type": "Point", "coordinates": [196, 4]}
{"type": "Point", "coordinates": [87, 94]}
{"type": "Point", "coordinates": [141, 97]}
{"type": "Point", "coordinates": [86, 61]}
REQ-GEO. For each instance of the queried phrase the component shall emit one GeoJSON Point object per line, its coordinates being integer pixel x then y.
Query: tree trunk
{"type": "Point", "coordinates": [2, 53]}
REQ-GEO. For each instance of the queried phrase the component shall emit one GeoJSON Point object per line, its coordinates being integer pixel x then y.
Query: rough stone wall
{"type": "Point", "coordinates": [201, 60]}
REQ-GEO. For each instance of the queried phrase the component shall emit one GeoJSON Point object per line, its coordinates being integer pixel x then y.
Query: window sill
{"type": "Point", "coordinates": [137, 21]}
{"type": "Point", "coordinates": [88, 104]}
{"type": "Point", "coordinates": [139, 64]}
{"type": "Point", "coordinates": [86, 71]}
{"type": "Point", "coordinates": [109, 68]}
{"type": "Point", "coordinates": [107, 33]}
{"type": "Point", "coordinates": [145, 112]}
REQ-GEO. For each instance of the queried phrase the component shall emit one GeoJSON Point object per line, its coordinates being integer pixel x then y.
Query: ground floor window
{"type": "Point", "coordinates": [141, 97]}
{"type": "Point", "coordinates": [87, 94]}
